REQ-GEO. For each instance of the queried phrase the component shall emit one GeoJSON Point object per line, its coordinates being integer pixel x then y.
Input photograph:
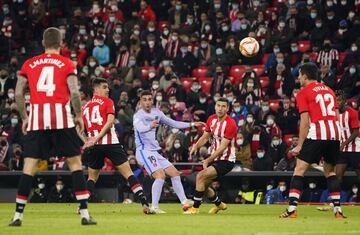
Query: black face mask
{"type": "Point", "coordinates": [3, 143]}
{"type": "Point", "coordinates": [17, 152]}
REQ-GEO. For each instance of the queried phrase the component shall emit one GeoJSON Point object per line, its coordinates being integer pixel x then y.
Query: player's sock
{"type": "Point", "coordinates": [296, 187]}
{"type": "Point", "coordinates": [156, 192]}
{"type": "Point", "coordinates": [215, 199]}
{"type": "Point", "coordinates": [137, 190]}
{"type": "Point", "coordinates": [198, 198]}
{"type": "Point", "coordinates": [334, 192]}
{"type": "Point", "coordinates": [24, 188]}
{"type": "Point", "coordinates": [178, 188]}
{"type": "Point", "coordinates": [81, 193]}
{"type": "Point", "coordinates": [90, 185]}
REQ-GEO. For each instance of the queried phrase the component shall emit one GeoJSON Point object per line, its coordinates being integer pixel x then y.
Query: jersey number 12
{"type": "Point", "coordinates": [326, 110]}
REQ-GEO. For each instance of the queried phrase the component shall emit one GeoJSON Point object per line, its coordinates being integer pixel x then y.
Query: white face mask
{"type": "Point", "coordinates": [260, 154]}
{"type": "Point", "coordinates": [202, 101]}
{"type": "Point", "coordinates": [351, 14]}
{"type": "Point", "coordinates": [174, 38]}
{"type": "Point", "coordinates": [265, 108]}
{"type": "Point", "coordinates": [354, 48]}
{"type": "Point", "coordinates": [352, 70]}
{"type": "Point", "coordinates": [276, 142]}
{"type": "Point", "coordinates": [270, 122]}
{"type": "Point", "coordinates": [136, 32]}
{"type": "Point", "coordinates": [318, 25]}
{"type": "Point", "coordinates": [172, 102]}
{"type": "Point", "coordinates": [41, 186]}
{"type": "Point", "coordinates": [230, 98]}
{"type": "Point", "coordinates": [11, 95]}
{"type": "Point", "coordinates": [14, 121]}
{"type": "Point", "coordinates": [118, 30]}
{"type": "Point", "coordinates": [112, 19]}
{"type": "Point", "coordinates": [155, 86]}
{"type": "Point", "coordinates": [240, 141]}
{"type": "Point", "coordinates": [174, 130]}
{"type": "Point", "coordinates": [355, 190]}
{"type": "Point", "coordinates": [177, 145]}
{"type": "Point", "coordinates": [269, 187]}
{"type": "Point", "coordinates": [312, 185]}
{"type": "Point", "coordinates": [159, 98]}
{"type": "Point", "coordinates": [151, 29]}
{"type": "Point", "coordinates": [27, 97]}
{"type": "Point", "coordinates": [249, 120]}
{"type": "Point", "coordinates": [151, 74]}
{"type": "Point", "coordinates": [243, 26]}
{"type": "Point", "coordinates": [59, 187]}
{"type": "Point", "coordinates": [92, 63]}
{"type": "Point", "coordinates": [151, 44]}
{"type": "Point", "coordinates": [282, 188]}
{"type": "Point", "coordinates": [236, 110]}
{"type": "Point", "coordinates": [166, 32]}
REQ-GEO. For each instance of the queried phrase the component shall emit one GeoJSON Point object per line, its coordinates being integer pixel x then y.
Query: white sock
{"type": "Point", "coordinates": [291, 208]}
{"type": "Point", "coordinates": [156, 192]}
{"type": "Point", "coordinates": [337, 209]}
{"type": "Point", "coordinates": [18, 215]}
{"type": "Point", "coordinates": [84, 213]}
{"type": "Point", "coordinates": [178, 188]}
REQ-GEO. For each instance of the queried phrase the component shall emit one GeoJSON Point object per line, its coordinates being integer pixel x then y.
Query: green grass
{"type": "Point", "coordinates": [52, 219]}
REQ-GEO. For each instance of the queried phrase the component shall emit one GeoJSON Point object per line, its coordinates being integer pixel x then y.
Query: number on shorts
{"type": "Point", "coordinates": [152, 160]}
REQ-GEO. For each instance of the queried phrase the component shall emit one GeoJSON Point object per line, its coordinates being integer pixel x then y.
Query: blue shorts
{"type": "Point", "coordinates": [152, 160]}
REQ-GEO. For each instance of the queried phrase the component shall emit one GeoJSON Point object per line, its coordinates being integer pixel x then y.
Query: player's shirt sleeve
{"type": "Point", "coordinates": [302, 103]}
{"type": "Point", "coordinates": [208, 124]}
{"type": "Point", "coordinates": [71, 69]}
{"type": "Point", "coordinates": [23, 70]}
{"type": "Point", "coordinates": [174, 124]}
{"type": "Point", "coordinates": [354, 122]}
{"type": "Point", "coordinates": [110, 109]}
{"type": "Point", "coordinates": [230, 130]}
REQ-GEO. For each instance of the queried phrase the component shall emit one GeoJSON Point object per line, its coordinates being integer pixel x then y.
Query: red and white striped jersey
{"type": "Point", "coordinates": [319, 100]}
{"type": "Point", "coordinates": [94, 114]}
{"type": "Point", "coordinates": [49, 93]}
{"type": "Point", "coordinates": [349, 121]}
{"type": "Point", "coordinates": [219, 130]}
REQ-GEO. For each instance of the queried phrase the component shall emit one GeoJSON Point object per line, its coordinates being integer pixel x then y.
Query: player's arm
{"type": "Point", "coordinates": [201, 142]}
{"type": "Point", "coordinates": [176, 124]}
{"type": "Point", "coordinates": [304, 130]}
{"type": "Point", "coordinates": [75, 100]}
{"type": "Point", "coordinates": [20, 100]}
{"type": "Point", "coordinates": [354, 125]}
{"type": "Point", "coordinates": [109, 123]}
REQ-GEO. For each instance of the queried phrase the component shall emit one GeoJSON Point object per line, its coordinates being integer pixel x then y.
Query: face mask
{"type": "Point", "coordinates": [97, 72]}
{"type": "Point", "coordinates": [217, 6]}
{"type": "Point", "coordinates": [92, 63]}
{"type": "Point", "coordinates": [151, 29]}
{"type": "Point", "coordinates": [330, 17]}
{"type": "Point", "coordinates": [204, 45]}
{"type": "Point", "coordinates": [177, 145]}
{"type": "Point", "coordinates": [174, 130]}
{"type": "Point", "coordinates": [207, 27]}
{"type": "Point", "coordinates": [239, 141]}
{"type": "Point", "coordinates": [183, 50]}
{"type": "Point", "coordinates": [112, 19]}
{"type": "Point", "coordinates": [96, 21]}
{"type": "Point", "coordinates": [249, 120]}
{"type": "Point", "coordinates": [282, 188]}
{"type": "Point", "coordinates": [159, 98]}
{"type": "Point", "coordinates": [190, 21]}
{"type": "Point", "coordinates": [269, 122]}
{"type": "Point", "coordinates": [218, 51]}
{"type": "Point", "coordinates": [343, 3]}
{"type": "Point", "coordinates": [59, 187]}
{"type": "Point", "coordinates": [14, 121]}
{"type": "Point", "coordinates": [174, 38]}
{"type": "Point", "coordinates": [275, 142]}
{"type": "Point", "coordinates": [27, 97]}
{"type": "Point", "coordinates": [151, 44]}
{"type": "Point", "coordinates": [132, 63]}
{"type": "Point", "coordinates": [355, 190]}
{"type": "Point", "coordinates": [243, 26]}
{"type": "Point", "coordinates": [41, 186]}
{"type": "Point", "coordinates": [178, 7]}
{"type": "Point", "coordinates": [166, 32]}
{"type": "Point", "coordinates": [236, 110]}
{"type": "Point", "coordinates": [294, 49]}
{"type": "Point", "coordinates": [260, 154]}
{"type": "Point", "coordinates": [353, 48]}
{"type": "Point", "coordinates": [310, 2]}
{"type": "Point", "coordinates": [6, 10]}
{"type": "Point", "coordinates": [155, 86]}
{"type": "Point", "coordinates": [230, 99]}
{"type": "Point", "coordinates": [151, 74]}
{"type": "Point", "coordinates": [351, 14]}
{"type": "Point", "coordinates": [202, 101]}
{"type": "Point", "coordinates": [329, 3]}
{"type": "Point", "coordinates": [276, 50]}
{"type": "Point", "coordinates": [117, 41]}
{"type": "Point", "coordinates": [11, 95]}
{"type": "Point", "coordinates": [136, 32]}
{"type": "Point", "coordinates": [318, 25]}
{"type": "Point", "coordinates": [114, 8]}
{"type": "Point", "coordinates": [291, 2]}
{"type": "Point", "coordinates": [172, 102]}
{"type": "Point", "coordinates": [312, 185]}
{"type": "Point", "coordinates": [280, 61]}
{"type": "Point", "coordinates": [313, 15]}
{"type": "Point", "coordinates": [216, 99]}
{"type": "Point", "coordinates": [269, 187]}
{"type": "Point", "coordinates": [232, 44]}
{"type": "Point", "coordinates": [81, 46]}
{"type": "Point", "coordinates": [265, 108]}
{"type": "Point", "coordinates": [195, 88]}
{"type": "Point", "coordinates": [225, 28]}
{"type": "Point", "coordinates": [282, 24]}
{"type": "Point", "coordinates": [352, 70]}
{"type": "Point", "coordinates": [118, 30]}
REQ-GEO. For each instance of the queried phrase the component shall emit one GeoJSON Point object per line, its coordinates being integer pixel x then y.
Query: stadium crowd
{"type": "Point", "coordinates": [186, 53]}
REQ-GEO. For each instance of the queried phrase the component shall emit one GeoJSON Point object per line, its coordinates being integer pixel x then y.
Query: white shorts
{"type": "Point", "coordinates": [152, 160]}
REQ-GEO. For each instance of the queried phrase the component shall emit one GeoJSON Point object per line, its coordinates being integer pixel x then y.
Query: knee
{"type": "Point", "coordinates": [201, 176]}
{"type": "Point", "coordinates": [159, 174]}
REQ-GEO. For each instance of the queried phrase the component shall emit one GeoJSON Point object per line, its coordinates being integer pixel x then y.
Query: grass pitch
{"type": "Point", "coordinates": [53, 219]}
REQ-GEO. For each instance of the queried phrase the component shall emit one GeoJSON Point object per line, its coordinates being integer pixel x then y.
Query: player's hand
{"type": "Point", "coordinates": [79, 123]}
{"type": "Point", "coordinates": [193, 151]}
{"type": "Point", "coordinates": [24, 125]}
{"type": "Point", "coordinates": [205, 163]}
{"type": "Point", "coordinates": [295, 151]}
{"type": "Point", "coordinates": [199, 124]}
{"type": "Point", "coordinates": [91, 141]}
{"type": "Point", "coordinates": [154, 124]}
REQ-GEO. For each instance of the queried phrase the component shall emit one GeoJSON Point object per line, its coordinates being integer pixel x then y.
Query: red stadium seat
{"type": "Point", "coordinates": [304, 46]}
{"type": "Point", "coordinates": [145, 72]}
{"type": "Point", "coordinates": [270, 10]}
{"type": "Point", "coordinates": [259, 69]}
{"type": "Point", "coordinates": [288, 139]}
{"type": "Point", "coordinates": [264, 81]}
{"type": "Point", "coordinates": [352, 102]}
{"type": "Point", "coordinates": [206, 83]}
{"type": "Point", "coordinates": [187, 82]}
{"type": "Point", "coordinates": [235, 80]}
{"type": "Point", "coordinates": [313, 56]}
{"type": "Point", "coordinates": [265, 58]}
{"type": "Point", "coordinates": [237, 71]}
{"type": "Point", "coordinates": [274, 104]}
{"type": "Point", "coordinates": [200, 71]}
{"type": "Point", "coordinates": [162, 24]}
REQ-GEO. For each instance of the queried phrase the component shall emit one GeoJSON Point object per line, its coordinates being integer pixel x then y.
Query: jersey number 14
{"type": "Point", "coordinates": [95, 116]}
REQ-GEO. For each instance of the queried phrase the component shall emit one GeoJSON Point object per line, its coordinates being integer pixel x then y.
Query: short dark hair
{"type": "Point", "coordinates": [340, 93]}
{"type": "Point", "coordinates": [144, 93]}
{"type": "Point", "coordinates": [52, 38]}
{"type": "Point", "coordinates": [223, 99]}
{"type": "Point", "coordinates": [97, 81]}
{"type": "Point", "coordinates": [310, 70]}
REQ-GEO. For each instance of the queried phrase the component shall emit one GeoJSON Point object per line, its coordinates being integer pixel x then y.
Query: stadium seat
{"type": "Point", "coordinates": [259, 69]}
{"type": "Point", "coordinates": [287, 139]}
{"type": "Point", "coordinates": [304, 46]}
{"type": "Point", "coordinates": [313, 56]}
{"type": "Point", "coordinates": [206, 83]}
{"type": "Point", "coordinates": [274, 104]}
{"type": "Point", "coordinates": [237, 71]}
{"type": "Point", "coordinates": [145, 72]}
{"type": "Point", "coordinates": [235, 80]}
{"type": "Point", "coordinates": [264, 81]}
{"type": "Point", "coordinates": [187, 82]}
{"type": "Point", "coordinates": [162, 24]}
{"type": "Point", "coordinates": [200, 71]}
{"type": "Point", "coordinates": [352, 102]}
{"type": "Point", "coordinates": [270, 10]}
{"type": "Point", "coordinates": [265, 57]}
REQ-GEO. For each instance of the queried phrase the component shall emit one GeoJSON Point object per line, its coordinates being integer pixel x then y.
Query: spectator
{"type": "Point", "coordinates": [184, 62]}
{"type": "Point", "coordinates": [150, 30]}
{"type": "Point", "coordinates": [239, 112]}
{"type": "Point", "coordinates": [281, 82]}
{"type": "Point", "coordinates": [59, 193]}
{"type": "Point", "coordinates": [217, 85]}
{"type": "Point", "coordinates": [352, 56]}
{"type": "Point", "coordinates": [130, 72]}
{"type": "Point", "coordinates": [287, 163]}
{"type": "Point", "coordinates": [177, 15]}
{"type": "Point", "coordinates": [101, 51]}
{"type": "Point", "coordinates": [277, 149]}
{"type": "Point", "coordinates": [232, 53]}
{"type": "Point", "coordinates": [278, 194]}
{"type": "Point", "coordinates": [319, 33]}
{"type": "Point", "coordinates": [125, 114]}
{"type": "Point", "coordinates": [287, 117]}
{"type": "Point", "coordinates": [271, 127]}
{"type": "Point", "coordinates": [328, 56]}
{"type": "Point", "coordinates": [243, 152]}
{"type": "Point", "coordinates": [151, 53]}
{"type": "Point", "coordinates": [146, 12]}
{"type": "Point", "coordinates": [178, 152]}
{"type": "Point", "coordinates": [327, 77]}
{"type": "Point", "coordinates": [348, 81]}
{"type": "Point", "coordinates": [193, 96]}
{"type": "Point", "coordinates": [354, 195]}
{"type": "Point", "coordinates": [263, 161]}
{"type": "Point", "coordinates": [312, 193]}
{"type": "Point", "coordinates": [5, 151]}
{"type": "Point", "coordinates": [17, 161]}
{"type": "Point", "coordinates": [5, 83]}
{"type": "Point", "coordinates": [40, 194]}
{"type": "Point", "coordinates": [205, 52]}
{"type": "Point", "coordinates": [177, 89]}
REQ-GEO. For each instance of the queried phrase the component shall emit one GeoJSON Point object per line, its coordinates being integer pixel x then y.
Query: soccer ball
{"type": "Point", "coordinates": [249, 47]}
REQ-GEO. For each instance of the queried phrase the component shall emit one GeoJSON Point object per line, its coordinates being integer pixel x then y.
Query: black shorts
{"type": "Point", "coordinates": [43, 144]}
{"type": "Point", "coordinates": [351, 159]}
{"type": "Point", "coordinates": [313, 150]}
{"type": "Point", "coordinates": [222, 167]}
{"type": "Point", "coordinates": [95, 156]}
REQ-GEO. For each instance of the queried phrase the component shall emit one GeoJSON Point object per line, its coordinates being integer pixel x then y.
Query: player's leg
{"type": "Point", "coordinates": [95, 161]}
{"type": "Point", "coordinates": [341, 165]}
{"type": "Point", "coordinates": [93, 176]}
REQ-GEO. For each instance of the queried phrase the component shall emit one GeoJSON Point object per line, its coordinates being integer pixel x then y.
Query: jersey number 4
{"type": "Point", "coordinates": [95, 116]}
{"type": "Point", "coordinates": [326, 110]}
{"type": "Point", "coordinates": [46, 81]}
